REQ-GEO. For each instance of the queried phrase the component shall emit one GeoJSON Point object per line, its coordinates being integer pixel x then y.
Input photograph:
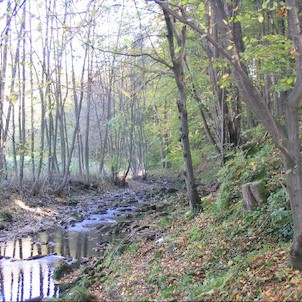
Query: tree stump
{"type": "Point", "coordinates": [253, 193]}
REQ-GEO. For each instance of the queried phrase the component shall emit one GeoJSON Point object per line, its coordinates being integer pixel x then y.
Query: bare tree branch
{"type": "Point", "coordinates": [128, 54]}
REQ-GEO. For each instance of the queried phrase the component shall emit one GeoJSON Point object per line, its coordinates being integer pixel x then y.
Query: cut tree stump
{"type": "Point", "coordinates": [253, 193]}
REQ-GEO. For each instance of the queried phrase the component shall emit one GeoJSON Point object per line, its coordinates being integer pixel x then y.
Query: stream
{"type": "Point", "coordinates": [27, 264]}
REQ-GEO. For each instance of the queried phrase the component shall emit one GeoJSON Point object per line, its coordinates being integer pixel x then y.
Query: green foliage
{"type": "Point", "coordinates": [158, 253]}
{"type": "Point", "coordinates": [6, 216]}
{"type": "Point", "coordinates": [164, 222]}
{"type": "Point", "coordinates": [257, 161]}
{"type": "Point", "coordinates": [275, 54]}
{"type": "Point", "coordinates": [225, 195]}
{"type": "Point", "coordinates": [122, 247]}
{"type": "Point", "coordinates": [79, 294]}
{"type": "Point", "coordinates": [195, 234]}
{"type": "Point", "coordinates": [191, 214]}
{"type": "Point", "coordinates": [281, 222]}
{"type": "Point", "coordinates": [62, 269]}
{"type": "Point", "coordinates": [133, 248]}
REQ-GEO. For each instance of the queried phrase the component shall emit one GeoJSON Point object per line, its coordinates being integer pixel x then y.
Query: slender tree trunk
{"type": "Point", "coordinates": [87, 128]}
{"type": "Point", "coordinates": [42, 78]}
{"type": "Point", "coordinates": [14, 144]}
{"type": "Point", "coordinates": [32, 127]}
{"type": "Point", "coordinates": [202, 114]}
{"type": "Point", "coordinates": [178, 69]}
{"type": "Point", "coordinates": [78, 108]}
{"type": "Point", "coordinates": [22, 103]}
{"type": "Point", "coordinates": [3, 79]}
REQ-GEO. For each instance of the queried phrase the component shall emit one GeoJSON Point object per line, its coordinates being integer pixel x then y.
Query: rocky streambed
{"type": "Point", "coordinates": [74, 233]}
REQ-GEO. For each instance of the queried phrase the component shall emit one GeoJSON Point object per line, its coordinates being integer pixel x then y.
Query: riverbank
{"type": "Point", "coordinates": [221, 254]}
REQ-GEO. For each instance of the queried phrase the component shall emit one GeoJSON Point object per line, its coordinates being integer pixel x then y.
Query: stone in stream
{"type": "Point", "coordinates": [34, 299]}
{"type": "Point", "coordinates": [171, 190]}
{"type": "Point", "coordinates": [148, 207]}
{"type": "Point", "coordinates": [132, 200]}
{"type": "Point", "coordinates": [144, 227]}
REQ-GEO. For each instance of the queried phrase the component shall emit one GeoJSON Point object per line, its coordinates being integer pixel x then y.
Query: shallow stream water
{"type": "Point", "coordinates": [27, 264]}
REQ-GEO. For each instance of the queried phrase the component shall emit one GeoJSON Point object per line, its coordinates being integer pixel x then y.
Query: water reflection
{"type": "Point", "coordinates": [27, 264]}
{"type": "Point", "coordinates": [20, 280]}
{"type": "Point", "coordinates": [75, 242]}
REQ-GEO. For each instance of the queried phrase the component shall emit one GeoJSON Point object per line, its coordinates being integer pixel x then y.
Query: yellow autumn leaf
{"type": "Point", "coordinates": [295, 280]}
{"type": "Point", "coordinates": [225, 76]}
{"type": "Point", "coordinates": [260, 19]}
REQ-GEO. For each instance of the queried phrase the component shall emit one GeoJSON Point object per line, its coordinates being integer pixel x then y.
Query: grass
{"type": "Point", "coordinates": [79, 294]}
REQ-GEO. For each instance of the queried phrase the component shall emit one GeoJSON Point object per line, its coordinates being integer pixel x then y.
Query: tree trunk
{"type": "Point", "coordinates": [293, 168]}
{"type": "Point", "coordinates": [294, 189]}
{"type": "Point", "coordinates": [78, 108]}
{"type": "Point", "coordinates": [32, 127]}
{"type": "Point", "coordinates": [22, 103]}
{"type": "Point", "coordinates": [178, 69]}
{"type": "Point", "coordinates": [3, 78]}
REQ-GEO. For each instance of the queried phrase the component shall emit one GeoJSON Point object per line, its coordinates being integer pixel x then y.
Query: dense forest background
{"type": "Point", "coordinates": [88, 88]}
{"type": "Point", "coordinates": [96, 90]}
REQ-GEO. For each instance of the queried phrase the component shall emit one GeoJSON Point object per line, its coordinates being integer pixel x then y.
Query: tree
{"type": "Point", "coordinates": [285, 135]}
{"type": "Point", "coordinates": [177, 43]}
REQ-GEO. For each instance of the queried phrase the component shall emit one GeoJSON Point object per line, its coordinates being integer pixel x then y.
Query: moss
{"type": "Point", "coordinates": [6, 216]}
{"type": "Point", "coordinates": [62, 269]}
{"type": "Point", "coordinates": [79, 294]}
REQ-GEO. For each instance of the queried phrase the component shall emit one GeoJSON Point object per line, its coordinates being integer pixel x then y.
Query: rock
{"type": "Point", "coordinates": [171, 249]}
{"type": "Point", "coordinates": [150, 237]}
{"type": "Point", "coordinates": [132, 200]}
{"type": "Point", "coordinates": [171, 190]}
{"type": "Point", "coordinates": [144, 227]}
{"type": "Point", "coordinates": [34, 299]}
{"type": "Point", "coordinates": [70, 220]}
{"type": "Point", "coordinates": [160, 241]}
{"type": "Point", "coordinates": [148, 207]}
